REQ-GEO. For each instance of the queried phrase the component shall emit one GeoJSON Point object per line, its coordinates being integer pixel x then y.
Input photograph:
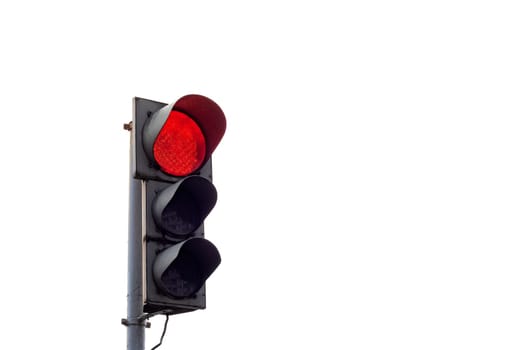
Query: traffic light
{"type": "Point", "coordinates": [173, 145]}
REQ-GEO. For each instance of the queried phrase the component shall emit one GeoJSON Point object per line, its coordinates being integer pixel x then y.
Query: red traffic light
{"type": "Point", "coordinates": [180, 147]}
{"type": "Point", "coordinates": [171, 150]}
{"type": "Point", "coordinates": [181, 137]}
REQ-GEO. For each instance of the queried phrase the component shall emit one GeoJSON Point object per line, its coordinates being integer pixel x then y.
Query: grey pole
{"type": "Point", "coordinates": [135, 324]}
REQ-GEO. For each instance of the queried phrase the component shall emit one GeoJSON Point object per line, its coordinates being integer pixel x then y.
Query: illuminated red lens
{"type": "Point", "coordinates": [180, 147]}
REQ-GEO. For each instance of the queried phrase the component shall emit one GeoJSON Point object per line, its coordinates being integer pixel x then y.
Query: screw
{"type": "Point", "coordinates": [128, 126]}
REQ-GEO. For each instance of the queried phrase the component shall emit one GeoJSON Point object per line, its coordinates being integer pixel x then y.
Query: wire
{"type": "Point", "coordinates": [163, 333]}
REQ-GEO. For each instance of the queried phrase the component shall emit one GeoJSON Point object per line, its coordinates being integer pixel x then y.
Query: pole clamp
{"type": "Point", "coordinates": [136, 322]}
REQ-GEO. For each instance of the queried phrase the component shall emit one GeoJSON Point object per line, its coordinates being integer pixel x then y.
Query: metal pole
{"type": "Point", "coordinates": [135, 324]}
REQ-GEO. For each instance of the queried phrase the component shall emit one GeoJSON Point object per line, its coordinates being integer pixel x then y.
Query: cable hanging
{"type": "Point", "coordinates": [163, 333]}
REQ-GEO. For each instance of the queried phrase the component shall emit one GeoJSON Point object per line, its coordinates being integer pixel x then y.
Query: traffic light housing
{"type": "Point", "coordinates": [172, 157]}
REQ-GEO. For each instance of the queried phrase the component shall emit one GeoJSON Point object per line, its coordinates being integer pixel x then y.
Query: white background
{"type": "Point", "coordinates": [371, 179]}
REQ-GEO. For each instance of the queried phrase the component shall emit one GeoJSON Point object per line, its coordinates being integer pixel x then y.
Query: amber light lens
{"type": "Point", "coordinates": [180, 147]}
